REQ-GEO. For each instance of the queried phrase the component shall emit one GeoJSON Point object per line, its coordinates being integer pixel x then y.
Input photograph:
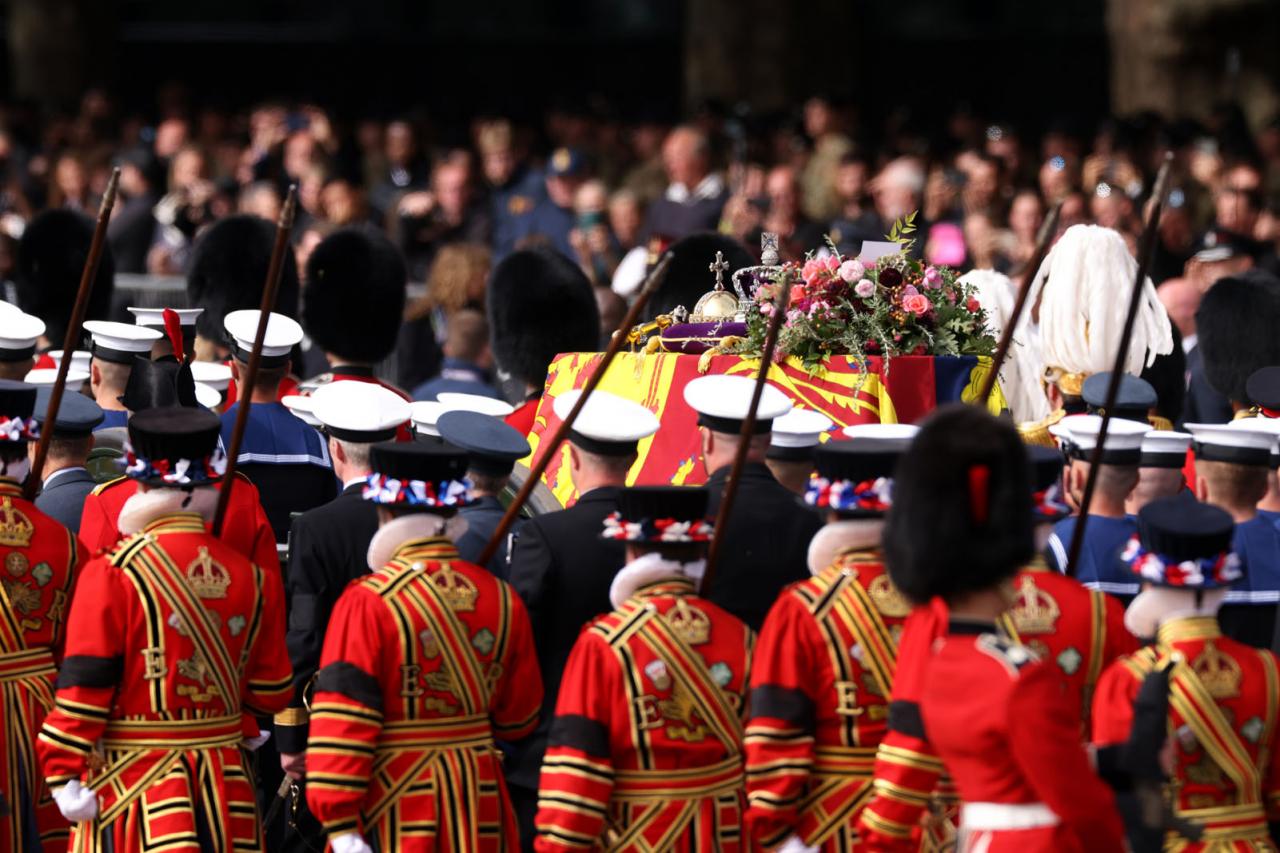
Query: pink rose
{"type": "Point", "coordinates": [917, 304]}
{"type": "Point", "coordinates": [797, 293]}
{"type": "Point", "coordinates": [865, 288]}
{"type": "Point", "coordinates": [851, 271]}
{"type": "Point", "coordinates": [932, 277]}
{"type": "Point", "coordinates": [812, 270]}
{"type": "Point", "coordinates": [832, 262]}
{"type": "Point", "coordinates": [766, 309]}
{"type": "Point", "coordinates": [909, 290]}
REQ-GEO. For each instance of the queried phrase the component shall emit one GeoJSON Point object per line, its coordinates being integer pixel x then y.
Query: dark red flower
{"type": "Point", "coordinates": [890, 277]}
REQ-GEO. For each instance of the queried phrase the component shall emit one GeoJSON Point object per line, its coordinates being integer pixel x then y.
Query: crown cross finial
{"type": "Point", "coordinates": [769, 249]}
{"type": "Point", "coordinates": [718, 266]}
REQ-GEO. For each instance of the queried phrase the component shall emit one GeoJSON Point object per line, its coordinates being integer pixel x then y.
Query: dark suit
{"type": "Point", "coordinates": [765, 547]}
{"type": "Point", "coordinates": [562, 570]}
{"type": "Point", "coordinates": [483, 518]}
{"type": "Point", "coordinates": [328, 548]}
{"type": "Point", "coordinates": [64, 497]}
{"type": "Point", "coordinates": [1203, 404]}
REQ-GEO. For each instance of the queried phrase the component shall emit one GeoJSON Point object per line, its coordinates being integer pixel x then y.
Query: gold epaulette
{"type": "Point", "coordinates": [101, 487]}
{"type": "Point", "coordinates": [1245, 413]}
{"type": "Point", "coordinates": [1037, 432]}
{"type": "Point", "coordinates": [1160, 423]}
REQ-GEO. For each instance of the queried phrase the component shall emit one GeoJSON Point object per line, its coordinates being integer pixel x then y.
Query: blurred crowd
{"type": "Point", "coordinates": [603, 189]}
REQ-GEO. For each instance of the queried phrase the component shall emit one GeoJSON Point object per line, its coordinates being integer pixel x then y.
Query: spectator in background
{"type": "Point", "coordinates": [186, 208]}
{"type": "Point", "coordinates": [594, 245]}
{"type": "Point", "coordinates": [1075, 211]}
{"type": "Point", "coordinates": [457, 281]}
{"type": "Point", "coordinates": [515, 188]}
{"type": "Point", "coordinates": [260, 199]}
{"type": "Point", "coordinates": [819, 200]}
{"type": "Point", "coordinates": [447, 213]}
{"type": "Point", "coordinates": [554, 218]}
{"type": "Point", "coordinates": [648, 177]}
{"type": "Point", "coordinates": [1181, 298]}
{"type": "Point", "coordinates": [1026, 215]}
{"type": "Point", "coordinates": [1059, 177]}
{"type": "Point", "coordinates": [132, 223]}
{"type": "Point", "coordinates": [695, 195]}
{"type": "Point", "coordinates": [467, 360]}
{"type": "Point", "coordinates": [70, 186]}
{"type": "Point", "coordinates": [981, 193]}
{"type": "Point", "coordinates": [404, 169]}
{"type": "Point", "coordinates": [342, 203]}
{"type": "Point", "coordinates": [626, 218]}
{"type": "Point", "coordinates": [613, 309]}
{"type": "Point", "coordinates": [797, 234]}
{"type": "Point", "coordinates": [856, 220]}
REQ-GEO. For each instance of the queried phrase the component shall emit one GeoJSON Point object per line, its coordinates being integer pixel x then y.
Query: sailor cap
{"type": "Point", "coordinates": [797, 433]}
{"type": "Point", "coordinates": [424, 414]}
{"type": "Point", "coordinates": [48, 375]}
{"type": "Point", "coordinates": [120, 342]}
{"type": "Point", "coordinates": [456, 401]}
{"type": "Point", "coordinates": [154, 317]}
{"type": "Point", "coordinates": [608, 424]}
{"type": "Point", "coordinates": [1164, 449]}
{"type": "Point", "coordinates": [890, 437]}
{"type": "Point", "coordinates": [80, 359]}
{"type": "Point", "coordinates": [1242, 442]}
{"type": "Point", "coordinates": [361, 412]}
{"type": "Point", "coordinates": [18, 334]}
{"type": "Point", "coordinates": [300, 407]}
{"type": "Point", "coordinates": [283, 334]}
{"type": "Point", "coordinates": [215, 374]}
{"type": "Point", "coordinates": [722, 403]}
{"type": "Point", "coordinates": [1079, 436]}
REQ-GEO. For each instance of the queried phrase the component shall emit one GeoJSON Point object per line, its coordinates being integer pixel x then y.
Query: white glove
{"type": "Point", "coordinates": [349, 842]}
{"type": "Point", "coordinates": [254, 743]}
{"type": "Point", "coordinates": [76, 802]}
{"type": "Point", "coordinates": [793, 844]}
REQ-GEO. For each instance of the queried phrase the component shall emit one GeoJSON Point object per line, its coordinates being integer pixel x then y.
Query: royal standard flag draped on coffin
{"type": "Point", "coordinates": [910, 388]}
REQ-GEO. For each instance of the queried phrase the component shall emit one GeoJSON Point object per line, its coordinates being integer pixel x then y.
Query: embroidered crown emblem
{"type": "Point", "coordinates": [457, 590]}
{"type": "Point", "coordinates": [1035, 611]}
{"type": "Point", "coordinates": [1218, 672]}
{"type": "Point", "coordinates": [689, 623]}
{"type": "Point", "coordinates": [887, 599]}
{"type": "Point", "coordinates": [15, 528]}
{"type": "Point", "coordinates": [208, 579]}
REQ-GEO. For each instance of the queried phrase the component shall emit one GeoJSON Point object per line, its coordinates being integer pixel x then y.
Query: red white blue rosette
{"type": "Point", "coordinates": [666, 530]}
{"type": "Point", "coordinates": [389, 491]}
{"type": "Point", "coordinates": [176, 473]}
{"type": "Point", "coordinates": [19, 429]}
{"type": "Point", "coordinates": [848, 495]}
{"type": "Point", "coordinates": [1216, 572]}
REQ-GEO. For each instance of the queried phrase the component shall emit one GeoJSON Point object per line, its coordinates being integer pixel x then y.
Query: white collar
{"type": "Point", "coordinates": [651, 568]}
{"type": "Point", "coordinates": [709, 187]}
{"type": "Point", "coordinates": [1189, 342]}
{"type": "Point", "coordinates": [406, 528]}
{"type": "Point", "coordinates": [142, 508]}
{"type": "Point", "coordinates": [860, 533]}
{"type": "Point", "coordinates": [346, 484]}
{"type": "Point", "coordinates": [1152, 607]}
{"type": "Point", "coordinates": [56, 474]}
